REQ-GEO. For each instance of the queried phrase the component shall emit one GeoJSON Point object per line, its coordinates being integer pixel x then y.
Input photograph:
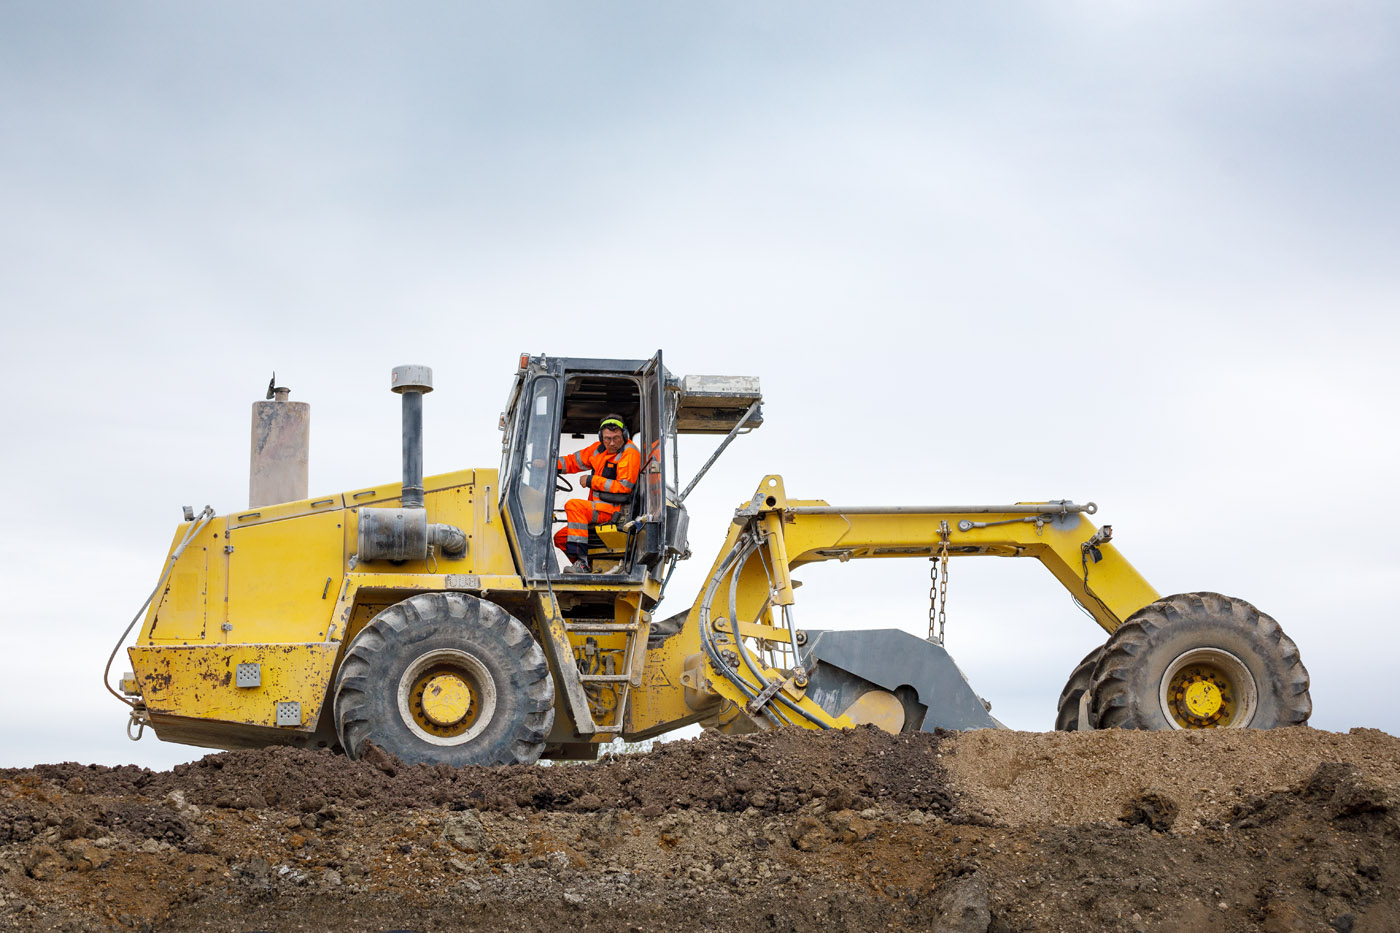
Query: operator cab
{"type": "Point", "coordinates": [554, 408]}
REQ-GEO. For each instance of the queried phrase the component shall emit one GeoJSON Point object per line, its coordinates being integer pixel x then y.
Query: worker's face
{"type": "Point", "coordinates": [612, 440]}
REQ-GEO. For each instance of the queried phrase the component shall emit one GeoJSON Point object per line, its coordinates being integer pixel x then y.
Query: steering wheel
{"type": "Point", "coordinates": [562, 484]}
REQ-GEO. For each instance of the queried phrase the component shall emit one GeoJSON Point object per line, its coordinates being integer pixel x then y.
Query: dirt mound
{"type": "Point", "coordinates": [778, 772]}
{"type": "Point", "coordinates": [1078, 777]}
{"type": "Point", "coordinates": [1285, 830]}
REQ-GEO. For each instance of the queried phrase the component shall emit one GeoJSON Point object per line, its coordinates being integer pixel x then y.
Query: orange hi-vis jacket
{"type": "Point", "coordinates": [614, 475]}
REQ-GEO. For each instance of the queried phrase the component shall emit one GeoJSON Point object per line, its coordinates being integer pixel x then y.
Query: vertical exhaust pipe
{"type": "Point", "coordinates": [412, 382]}
{"type": "Point", "coordinates": [405, 533]}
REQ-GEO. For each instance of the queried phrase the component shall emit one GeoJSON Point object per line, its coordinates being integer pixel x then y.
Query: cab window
{"type": "Point", "coordinates": [539, 437]}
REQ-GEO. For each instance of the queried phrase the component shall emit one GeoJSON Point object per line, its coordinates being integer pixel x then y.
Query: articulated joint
{"type": "Point", "coordinates": [405, 534]}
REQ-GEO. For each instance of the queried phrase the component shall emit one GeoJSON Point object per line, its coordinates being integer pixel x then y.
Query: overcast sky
{"type": "Point", "coordinates": [1140, 253]}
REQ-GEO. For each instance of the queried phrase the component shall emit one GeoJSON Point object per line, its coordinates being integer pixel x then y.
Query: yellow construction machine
{"type": "Point", "coordinates": [431, 618]}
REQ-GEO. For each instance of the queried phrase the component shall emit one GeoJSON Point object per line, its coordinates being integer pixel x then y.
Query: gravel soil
{"type": "Point", "coordinates": [1293, 829]}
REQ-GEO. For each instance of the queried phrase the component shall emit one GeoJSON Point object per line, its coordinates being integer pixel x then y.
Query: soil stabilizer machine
{"type": "Point", "coordinates": [431, 617]}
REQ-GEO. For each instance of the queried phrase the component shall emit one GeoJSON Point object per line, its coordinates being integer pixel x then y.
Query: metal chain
{"type": "Point", "coordinates": [938, 581]}
{"type": "Point", "coordinates": [943, 591]}
{"type": "Point", "coordinates": [933, 600]}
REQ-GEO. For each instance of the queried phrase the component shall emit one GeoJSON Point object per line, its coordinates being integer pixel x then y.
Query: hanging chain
{"type": "Point", "coordinates": [938, 588]}
{"type": "Point", "coordinates": [933, 600]}
{"type": "Point", "coordinates": [943, 583]}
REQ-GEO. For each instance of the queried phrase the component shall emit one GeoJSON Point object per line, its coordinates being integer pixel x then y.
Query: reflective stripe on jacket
{"type": "Point", "coordinates": [614, 475]}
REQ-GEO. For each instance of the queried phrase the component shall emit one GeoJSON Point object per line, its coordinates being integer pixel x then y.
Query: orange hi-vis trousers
{"type": "Point", "coordinates": [572, 539]}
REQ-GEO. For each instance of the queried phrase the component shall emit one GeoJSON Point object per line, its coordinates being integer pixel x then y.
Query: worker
{"type": "Point", "coordinates": [614, 465]}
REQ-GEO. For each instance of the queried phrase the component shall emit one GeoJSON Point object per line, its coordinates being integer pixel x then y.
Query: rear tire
{"type": "Point", "coordinates": [1199, 661]}
{"type": "Point", "coordinates": [1067, 710]}
{"type": "Point", "coordinates": [445, 678]}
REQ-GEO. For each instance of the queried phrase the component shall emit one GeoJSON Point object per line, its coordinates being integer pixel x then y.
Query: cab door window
{"type": "Point", "coordinates": [537, 462]}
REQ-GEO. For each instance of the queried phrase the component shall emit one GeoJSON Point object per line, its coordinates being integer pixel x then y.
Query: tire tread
{"type": "Point", "coordinates": [422, 616]}
{"type": "Point", "coordinates": [1114, 704]}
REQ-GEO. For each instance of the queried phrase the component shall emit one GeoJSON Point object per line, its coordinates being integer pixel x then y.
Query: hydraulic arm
{"type": "Point", "coordinates": [755, 656]}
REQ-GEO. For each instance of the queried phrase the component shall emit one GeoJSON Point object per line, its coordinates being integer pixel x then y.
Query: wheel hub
{"type": "Point", "coordinates": [446, 699]}
{"type": "Point", "coordinates": [1203, 699]}
{"type": "Point", "coordinates": [1208, 688]}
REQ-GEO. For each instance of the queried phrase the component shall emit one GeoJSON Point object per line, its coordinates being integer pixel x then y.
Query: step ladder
{"type": "Point", "coordinates": [633, 659]}
{"type": "Point", "coordinates": [558, 631]}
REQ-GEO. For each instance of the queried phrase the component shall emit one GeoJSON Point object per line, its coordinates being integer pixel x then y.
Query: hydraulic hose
{"type": "Point", "coordinates": [706, 639]}
{"type": "Point", "coordinates": [740, 555]}
{"type": "Point", "coordinates": [734, 617]}
{"type": "Point", "coordinates": [777, 698]}
{"type": "Point", "coordinates": [204, 518]}
{"type": "Point", "coordinates": [739, 646]}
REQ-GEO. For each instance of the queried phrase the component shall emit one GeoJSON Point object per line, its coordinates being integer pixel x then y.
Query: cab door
{"type": "Point", "coordinates": [527, 492]}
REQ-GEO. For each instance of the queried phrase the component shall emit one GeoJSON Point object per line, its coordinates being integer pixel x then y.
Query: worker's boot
{"type": "Point", "coordinates": [578, 566]}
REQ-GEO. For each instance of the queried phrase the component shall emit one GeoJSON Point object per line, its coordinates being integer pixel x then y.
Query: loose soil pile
{"type": "Point", "coordinates": [988, 831]}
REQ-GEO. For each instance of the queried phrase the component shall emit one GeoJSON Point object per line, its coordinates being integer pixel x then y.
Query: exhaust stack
{"type": "Point", "coordinates": [412, 383]}
{"type": "Point", "coordinates": [404, 533]}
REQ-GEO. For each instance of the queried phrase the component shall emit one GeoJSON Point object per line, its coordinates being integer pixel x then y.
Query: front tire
{"type": "Point", "coordinates": [1199, 661]}
{"type": "Point", "coordinates": [445, 678]}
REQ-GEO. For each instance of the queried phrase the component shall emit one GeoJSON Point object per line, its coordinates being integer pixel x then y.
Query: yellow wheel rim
{"type": "Point", "coordinates": [446, 697]}
{"type": "Point", "coordinates": [1208, 688]}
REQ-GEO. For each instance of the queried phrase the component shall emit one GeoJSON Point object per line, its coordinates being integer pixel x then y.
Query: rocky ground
{"type": "Point", "coordinates": [987, 831]}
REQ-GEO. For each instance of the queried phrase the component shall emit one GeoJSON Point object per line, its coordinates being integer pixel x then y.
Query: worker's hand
{"type": "Point", "coordinates": [538, 464]}
{"type": "Point", "coordinates": [586, 481]}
